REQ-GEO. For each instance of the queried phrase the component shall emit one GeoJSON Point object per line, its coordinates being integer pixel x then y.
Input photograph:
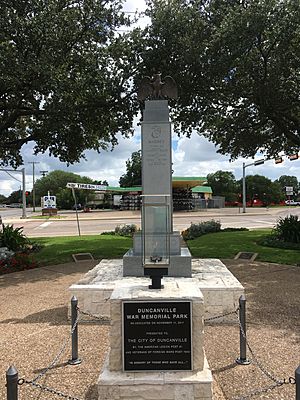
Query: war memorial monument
{"type": "Point", "coordinates": [157, 296]}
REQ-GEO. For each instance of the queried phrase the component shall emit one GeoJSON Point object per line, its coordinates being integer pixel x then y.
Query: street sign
{"type": "Point", "coordinates": [86, 186]}
{"type": "Point", "coordinates": [289, 189]}
{"type": "Point", "coordinates": [259, 162]}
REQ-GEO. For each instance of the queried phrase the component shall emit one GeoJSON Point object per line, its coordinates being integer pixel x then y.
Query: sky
{"type": "Point", "coordinates": [191, 157]}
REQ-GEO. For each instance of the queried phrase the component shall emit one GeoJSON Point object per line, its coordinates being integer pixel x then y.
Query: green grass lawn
{"type": "Point", "coordinates": [214, 245]}
{"type": "Point", "coordinates": [228, 244]}
{"type": "Point", "coordinates": [58, 250]}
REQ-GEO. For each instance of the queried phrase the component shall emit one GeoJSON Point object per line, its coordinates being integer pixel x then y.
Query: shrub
{"type": "Point", "coordinates": [288, 229]}
{"type": "Point", "coordinates": [13, 238]}
{"type": "Point", "coordinates": [273, 241]}
{"type": "Point", "coordinates": [202, 228]}
{"type": "Point", "coordinates": [126, 230]}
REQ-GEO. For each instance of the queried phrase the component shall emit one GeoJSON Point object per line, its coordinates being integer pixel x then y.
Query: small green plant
{"type": "Point", "coordinates": [202, 228]}
{"type": "Point", "coordinates": [288, 229]}
{"type": "Point", "coordinates": [13, 238]}
{"type": "Point", "coordinates": [126, 230]}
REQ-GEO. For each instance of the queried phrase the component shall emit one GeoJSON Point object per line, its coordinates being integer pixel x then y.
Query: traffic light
{"type": "Point", "coordinates": [27, 193]}
{"type": "Point", "coordinates": [278, 160]}
{"type": "Point", "coordinates": [293, 156]}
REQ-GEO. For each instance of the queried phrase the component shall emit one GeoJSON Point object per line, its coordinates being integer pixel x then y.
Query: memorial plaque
{"type": "Point", "coordinates": [157, 336]}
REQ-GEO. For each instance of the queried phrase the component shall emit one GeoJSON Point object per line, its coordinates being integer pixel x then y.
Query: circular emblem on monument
{"type": "Point", "coordinates": [156, 131]}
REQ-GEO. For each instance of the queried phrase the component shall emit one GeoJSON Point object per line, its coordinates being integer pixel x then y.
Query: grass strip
{"type": "Point", "coordinates": [228, 244]}
{"type": "Point", "coordinates": [57, 250]}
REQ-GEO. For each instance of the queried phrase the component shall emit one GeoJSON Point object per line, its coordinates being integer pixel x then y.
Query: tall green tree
{"type": "Point", "coordinates": [237, 67]}
{"type": "Point", "coordinates": [2, 198]}
{"type": "Point", "coordinates": [15, 197]}
{"type": "Point", "coordinates": [262, 188]}
{"type": "Point", "coordinates": [223, 183]}
{"type": "Point", "coordinates": [55, 182]}
{"type": "Point", "coordinates": [133, 175]}
{"type": "Point", "coordinates": [64, 77]}
{"type": "Point", "coordinates": [290, 181]}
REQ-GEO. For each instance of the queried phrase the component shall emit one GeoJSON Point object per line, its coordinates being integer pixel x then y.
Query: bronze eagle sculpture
{"type": "Point", "coordinates": [155, 89]}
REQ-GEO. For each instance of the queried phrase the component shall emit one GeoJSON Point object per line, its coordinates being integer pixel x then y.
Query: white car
{"type": "Point", "coordinates": [292, 203]}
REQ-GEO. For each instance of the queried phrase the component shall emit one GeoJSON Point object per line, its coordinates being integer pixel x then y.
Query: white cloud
{"type": "Point", "coordinates": [191, 157]}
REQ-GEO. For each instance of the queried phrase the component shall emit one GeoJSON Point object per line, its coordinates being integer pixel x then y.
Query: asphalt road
{"type": "Point", "coordinates": [101, 221]}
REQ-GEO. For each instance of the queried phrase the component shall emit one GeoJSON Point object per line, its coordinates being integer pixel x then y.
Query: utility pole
{"type": "Point", "coordinates": [23, 194]}
{"type": "Point", "coordinates": [33, 182]}
{"type": "Point", "coordinates": [258, 162]}
{"type": "Point", "coordinates": [22, 170]}
{"type": "Point", "coordinates": [43, 173]}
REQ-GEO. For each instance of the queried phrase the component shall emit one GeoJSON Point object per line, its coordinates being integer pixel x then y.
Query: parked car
{"type": "Point", "coordinates": [292, 203]}
{"type": "Point", "coordinates": [14, 205]}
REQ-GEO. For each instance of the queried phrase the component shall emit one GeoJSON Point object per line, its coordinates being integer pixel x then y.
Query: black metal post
{"type": "Point", "coordinates": [74, 315]}
{"type": "Point", "coordinates": [12, 383]}
{"type": "Point", "coordinates": [243, 344]}
{"type": "Point", "coordinates": [297, 379]}
{"type": "Point", "coordinates": [156, 275]}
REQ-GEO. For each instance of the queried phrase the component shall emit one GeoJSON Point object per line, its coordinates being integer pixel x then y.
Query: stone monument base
{"type": "Point", "coordinates": [180, 264]}
{"type": "Point", "coordinates": [184, 385]}
{"type": "Point", "coordinates": [221, 290]}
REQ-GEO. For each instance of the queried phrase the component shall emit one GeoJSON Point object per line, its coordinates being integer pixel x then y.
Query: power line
{"type": "Point", "coordinates": [10, 175]}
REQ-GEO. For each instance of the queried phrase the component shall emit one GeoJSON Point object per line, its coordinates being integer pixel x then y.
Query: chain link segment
{"type": "Point", "coordinates": [221, 315]}
{"type": "Point", "coordinates": [103, 320]}
{"type": "Point", "coordinates": [47, 389]}
{"type": "Point", "coordinates": [256, 392]}
{"type": "Point", "coordinates": [57, 357]}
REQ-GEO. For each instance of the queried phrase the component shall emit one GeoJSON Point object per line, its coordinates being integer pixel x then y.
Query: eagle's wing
{"type": "Point", "coordinates": [145, 89]}
{"type": "Point", "coordinates": [169, 88]}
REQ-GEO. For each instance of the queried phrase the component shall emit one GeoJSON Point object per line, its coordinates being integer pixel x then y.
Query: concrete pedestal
{"type": "Point", "coordinates": [187, 385]}
{"type": "Point", "coordinates": [114, 384]}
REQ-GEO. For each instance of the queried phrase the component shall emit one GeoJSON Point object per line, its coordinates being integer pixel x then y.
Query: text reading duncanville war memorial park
{"type": "Point", "coordinates": [157, 336]}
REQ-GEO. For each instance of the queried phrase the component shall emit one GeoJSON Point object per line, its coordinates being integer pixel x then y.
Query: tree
{"type": "Point", "coordinates": [2, 198]}
{"type": "Point", "coordinates": [291, 181]}
{"type": "Point", "coordinates": [237, 67]}
{"type": "Point", "coordinates": [133, 175]}
{"type": "Point", "coordinates": [262, 188]}
{"type": "Point", "coordinates": [55, 182]}
{"type": "Point", "coordinates": [223, 183]}
{"type": "Point", "coordinates": [15, 197]}
{"type": "Point", "coordinates": [63, 77]}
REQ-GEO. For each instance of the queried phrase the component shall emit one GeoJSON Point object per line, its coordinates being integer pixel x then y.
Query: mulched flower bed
{"type": "Point", "coordinates": [18, 262]}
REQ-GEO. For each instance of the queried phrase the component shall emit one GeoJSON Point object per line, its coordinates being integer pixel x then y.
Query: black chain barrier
{"type": "Point", "coordinates": [278, 382]}
{"type": "Point", "coordinates": [45, 388]}
{"type": "Point", "coordinates": [106, 321]}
